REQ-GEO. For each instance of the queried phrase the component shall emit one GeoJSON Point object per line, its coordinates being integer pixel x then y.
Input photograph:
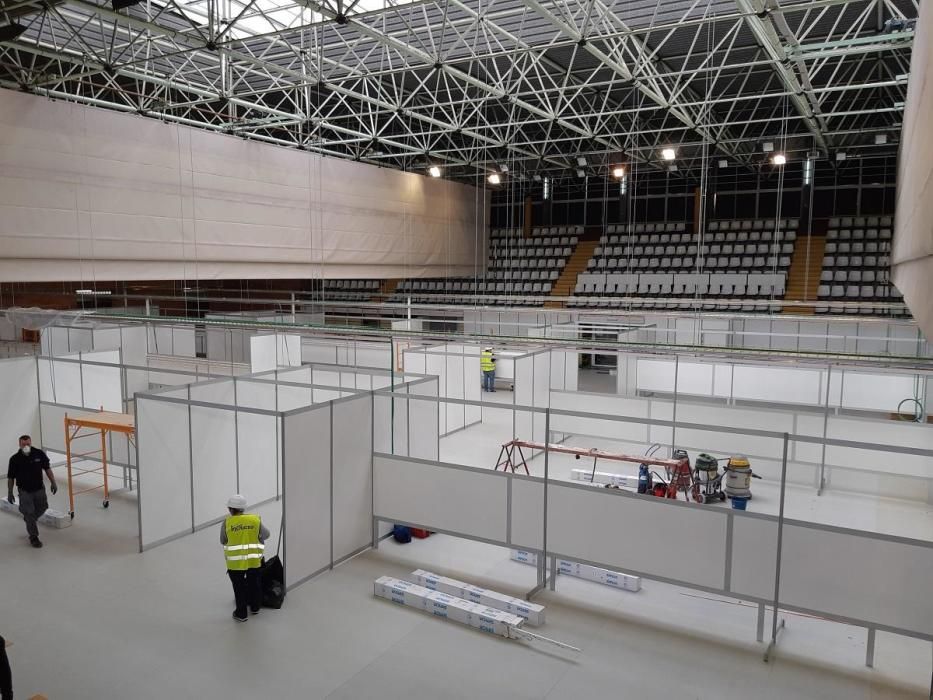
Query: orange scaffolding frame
{"type": "Point", "coordinates": [101, 423]}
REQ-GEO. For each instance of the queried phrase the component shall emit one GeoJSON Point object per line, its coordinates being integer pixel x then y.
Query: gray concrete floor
{"type": "Point", "coordinates": [92, 619]}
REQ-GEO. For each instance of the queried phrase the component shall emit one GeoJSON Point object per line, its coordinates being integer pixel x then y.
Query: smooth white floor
{"type": "Point", "coordinates": [91, 619]}
{"type": "Point", "coordinates": [479, 446]}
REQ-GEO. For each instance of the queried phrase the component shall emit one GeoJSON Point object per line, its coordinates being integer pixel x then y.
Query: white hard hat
{"type": "Point", "coordinates": [237, 501]}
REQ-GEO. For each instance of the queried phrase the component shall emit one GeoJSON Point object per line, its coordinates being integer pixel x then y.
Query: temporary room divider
{"type": "Point", "coordinates": [457, 368]}
{"type": "Point", "coordinates": [772, 560]}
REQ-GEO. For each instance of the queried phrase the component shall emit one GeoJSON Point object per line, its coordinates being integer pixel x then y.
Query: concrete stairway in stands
{"type": "Point", "coordinates": [803, 277]}
{"type": "Point", "coordinates": [577, 263]}
{"type": "Point", "coordinates": [386, 290]}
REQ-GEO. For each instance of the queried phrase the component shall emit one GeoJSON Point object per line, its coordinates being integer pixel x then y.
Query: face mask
{"type": "Point", "coordinates": [26, 449]}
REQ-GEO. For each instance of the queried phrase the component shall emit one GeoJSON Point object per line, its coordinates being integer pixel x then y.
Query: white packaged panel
{"type": "Point", "coordinates": [262, 353]}
{"type": "Point", "coordinates": [164, 470]}
{"type": "Point", "coordinates": [213, 462]}
{"type": "Point", "coordinates": [461, 501]}
{"type": "Point", "coordinates": [306, 493]}
{"type": "Point", "coordinates": [352, 468]}
{"type": "Point", "coordinates": [885, 582]}
{"type": "Point", "coordinates": [258, 456]}
{"type": "Point", "coordinates": [754, 552]}
{"type": "Point", "coordinates": [19, 409]}
{"type": "Point", "coordinates": [423, 435]}
{"type": "Point", "coordinates": [785, 385]}
{"type": "Point", "coordinates": [527, 513]}
{"type": "Point", "coordinates": [673, 542]}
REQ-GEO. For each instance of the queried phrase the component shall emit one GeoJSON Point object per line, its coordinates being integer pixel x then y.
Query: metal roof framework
{"type": "Point", "coordinates": [471, 85]}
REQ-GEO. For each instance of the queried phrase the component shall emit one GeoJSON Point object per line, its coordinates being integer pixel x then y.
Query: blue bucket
{"type": "Point", "coordinates": [739, 503]}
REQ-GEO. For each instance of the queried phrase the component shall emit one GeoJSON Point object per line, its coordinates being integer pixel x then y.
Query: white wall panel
{"type": "Point", "coordinates": [306, 489]}
{"type": "Point", "coordinates": [262, 353]}
{"type": "Point", "coordinates": [216, 391]}
{"type": "Point", "coordinates": [600, 404]}
{"type": "Point", "coordinates": [885, 582]}
{"type": "Point", "coordinates": [102, 385]}
{"type": "Point", "coordinates": [470, 502]}
{"type": "Point", "coordinates": [527, 513]}
{"type": "Point", "coordinates": [213, 462]}
{"type": "Point", "coordinates": [252, 394]}
{"type": "Point", "coordinates": [19, 409]}
{"type": "Point", "coordinates": [258, 456]}
{"type": "Point", "coordinates": [352, 469]}
{"type": "Point", "coordinates": [423, 421]}
{"type": "Point", "coordinates": [164, 470]}
{"type": "Point", "coordinates": [681, 543]}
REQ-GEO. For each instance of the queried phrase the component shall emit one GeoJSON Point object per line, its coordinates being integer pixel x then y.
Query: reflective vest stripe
{"type": "Point", "coordinates": [243, 549]}
{"type": "Point", "coordinates": [485, 362]}
{"type": "Point", "coordinates": [234, 547]}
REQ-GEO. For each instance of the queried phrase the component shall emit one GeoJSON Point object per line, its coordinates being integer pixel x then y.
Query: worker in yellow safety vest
{"type": "Point", "coordinates": [487, 364]}
{"type": "Point", "coordinates": [242, 535]}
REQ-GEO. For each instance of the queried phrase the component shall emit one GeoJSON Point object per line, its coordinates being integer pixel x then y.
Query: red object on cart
{"type": "Point", "coordinates": [419, 533]}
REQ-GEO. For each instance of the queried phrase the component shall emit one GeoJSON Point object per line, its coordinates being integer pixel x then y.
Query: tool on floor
{"type": "Point", "coordinates": [707, 480]}
{"type": "Point", "coordinates": [738, 473]}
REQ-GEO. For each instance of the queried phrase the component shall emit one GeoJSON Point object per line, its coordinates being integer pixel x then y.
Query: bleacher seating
{"type": "Point", "coordinates": [727, 247]}
{"type": "Point", "coordinates": [518, 266]}
{"type": "Point", "coordinates": [350, 290]}
{"type": "Point", "coordinates": [678, 290]}
{"type": "Point", "coordinates": [856, 263]}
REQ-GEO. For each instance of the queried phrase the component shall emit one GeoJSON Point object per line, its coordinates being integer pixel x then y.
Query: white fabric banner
{"type": "Point", "coordinates": [89, 194]}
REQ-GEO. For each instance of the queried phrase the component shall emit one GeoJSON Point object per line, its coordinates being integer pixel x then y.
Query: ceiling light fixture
{"type": "Point", "coordinates": [434, 171]}
{"type": "Point", "coordinates": [581, 161]}
{"type": "Point", "coordinates": [494, 179]}
{"type": "Point", "coordinates": [668, 154]}
{"type": "Point", "coordinates": [779, 159]}
{"type": "Point", "coordinates": [618, 172]}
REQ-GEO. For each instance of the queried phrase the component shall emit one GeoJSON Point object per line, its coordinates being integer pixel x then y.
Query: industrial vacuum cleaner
{"type": "Point", "coordinates": [707, 480]}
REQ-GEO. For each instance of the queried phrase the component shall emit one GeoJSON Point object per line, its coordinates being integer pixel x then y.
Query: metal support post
{"type": "Point", "coordinates": [553, 573]}
{"type": "Point", "coordinates": [775, 626]}
{"type": "Point", "coordinates": [870, 648]}
{"type": "Point", "coordinates": [822, 481]}
{"type": "Point", "coordinates": [760, 633]}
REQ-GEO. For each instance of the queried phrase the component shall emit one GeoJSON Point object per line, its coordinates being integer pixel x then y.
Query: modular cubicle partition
{"type": "Point", "coordinates": [784, 557]}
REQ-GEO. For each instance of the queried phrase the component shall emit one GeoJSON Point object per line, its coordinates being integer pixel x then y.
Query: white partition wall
{"type": "Point", "coordinates": [532, 388]}
{"type": "Point", "coordinates": [165, 507]}
{"type": "Point", "coordinates": [351, 465]}
{"type": "Point", "coordinates": [458, 373]}
{"type": "Point", "coordinates": [306, 507]}
{"type": "Point", "coordinates": [19, 409]}
{"type": "Point", "coordinates": [734, 553]}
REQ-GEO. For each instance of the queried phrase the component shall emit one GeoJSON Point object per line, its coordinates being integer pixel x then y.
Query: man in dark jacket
{"type": "Point", "coordinates": [25, 471]}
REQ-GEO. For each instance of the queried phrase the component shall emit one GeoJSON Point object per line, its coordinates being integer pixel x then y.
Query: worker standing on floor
{"type": "Point", "coordinates": [242, 535]}
{"type": "Point", "coordinates": [487, 364]}
{"type": "Point", "coordinates": [25, 471]}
